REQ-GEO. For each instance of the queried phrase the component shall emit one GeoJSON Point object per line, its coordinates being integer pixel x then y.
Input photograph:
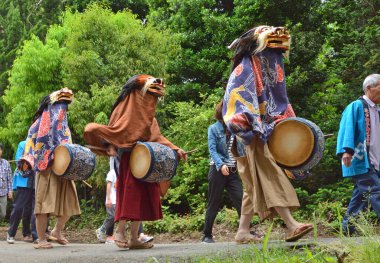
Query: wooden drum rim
{"type": "Point", "coordinates": [57, 163]}
{"type": "Point", "coordinates": [283, 145]}
{"type": "Point", "coordinates": [135, 161]}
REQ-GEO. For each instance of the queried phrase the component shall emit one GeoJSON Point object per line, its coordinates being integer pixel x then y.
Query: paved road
{"type": "Point", "coordinates": [101, 253]}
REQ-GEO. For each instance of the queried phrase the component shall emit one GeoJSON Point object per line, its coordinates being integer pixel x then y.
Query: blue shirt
{"type": "Point", "coordinates": [217, 145]}
{"type": "Point", "coordinates": [18, 180]}
{"type": "Point", "coordinates": [352, 138]}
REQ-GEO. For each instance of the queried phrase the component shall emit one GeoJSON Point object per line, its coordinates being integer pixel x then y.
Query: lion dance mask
{"type": "Point", "coordinates": [255, 97]}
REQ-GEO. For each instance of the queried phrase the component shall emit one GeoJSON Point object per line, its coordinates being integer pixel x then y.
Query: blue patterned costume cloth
{"type": "Point", "coordinates": [256, 98]}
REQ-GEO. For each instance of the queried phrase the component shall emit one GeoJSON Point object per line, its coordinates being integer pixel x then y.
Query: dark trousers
{"type": "Point", "coordinates": [217, 182]}
{"type": "Point", "coordinates": [366, 191]}
{"type": "Point", "coordinates": [109, 224]}
{"type": "Point", "coordinates": [23, 206]}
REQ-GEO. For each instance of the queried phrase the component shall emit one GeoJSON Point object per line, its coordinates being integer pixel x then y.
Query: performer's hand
{"type": "Point", "coordinates": [108, 203]}
{"type": "Point", "coordinates": [182, 154]}
{"type": "Point", "coordinates": [224, 170]}
{"type": "Point", "coordinates": [111, 150]}
{"type": "Point", "coordinates": [346, 159]}
{"type": "Point", "coordinates": [10, 195]}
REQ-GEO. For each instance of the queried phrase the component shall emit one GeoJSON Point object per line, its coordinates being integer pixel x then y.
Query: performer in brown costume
{"type": "Point", "coordinates": [132, 119]}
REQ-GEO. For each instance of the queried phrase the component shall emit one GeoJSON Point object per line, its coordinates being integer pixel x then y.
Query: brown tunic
{"type": "Point", "coordinates": [132, 120]}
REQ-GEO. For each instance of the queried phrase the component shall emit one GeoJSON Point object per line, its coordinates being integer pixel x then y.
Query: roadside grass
{"type": "Point", "coordinates": [275, 255]}
{"type": "Point", "coordinates": [268, 253]}
{"type": "Point", "coordinates": [363, 248]}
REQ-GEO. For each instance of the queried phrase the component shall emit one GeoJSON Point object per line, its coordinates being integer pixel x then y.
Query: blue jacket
{"type": "Point", "coordinates": [18, 180]}
{"type": "Point", "coordinates": [352, 136]}
{"type": "Point", "coordinates": [217, 145]}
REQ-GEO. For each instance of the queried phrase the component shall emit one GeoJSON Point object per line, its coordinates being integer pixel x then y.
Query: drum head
{"type": "Point", "coordinates": [291, 143]}
{"type": "Point", "coordinates": [62, 160]}
{"type": "Point", "coordinates": [140, 161]}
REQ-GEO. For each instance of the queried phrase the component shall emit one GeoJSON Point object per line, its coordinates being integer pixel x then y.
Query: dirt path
{"type": "Point", "coordinates": [101, 253]}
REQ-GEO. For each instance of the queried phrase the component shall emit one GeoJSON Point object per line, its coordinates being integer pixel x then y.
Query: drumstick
{"type": "Point", "coordinates": [328, 135]}
{"type": "Point", "coordinates": [12, 161]}
{"type": "Point", "coordinates": [96, 148]}
{"type": "Point", "coordinates": [83, 181]}
{"type": "Point", "coordinates": [191, 151]}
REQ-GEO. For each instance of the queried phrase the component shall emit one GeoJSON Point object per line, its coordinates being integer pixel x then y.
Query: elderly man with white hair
{"type": "Point", "coordinates": [359, 147]}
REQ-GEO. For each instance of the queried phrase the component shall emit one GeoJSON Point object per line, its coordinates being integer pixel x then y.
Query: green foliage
{"type": "Point", "coordinates": [104, 47]}
{"type": "Point", "coordinates": [93, 53]}
{"type": "Point", "coordinates": [35, 73]}
{"type": "Point", "coordinates": [325, 202]}
{"type": "Point", "coordinates": [364, 248]}
{"type": "Point", "coordinates": [89, 218]}
{"type": "Point", "coordinates": [228, 217]}
{"type": "Point", "coordinates": [94, 49]}
{"type": "Point", "coordinates": [174, 224]}
{"type": "Point", "coordinates": [19, 20]}
{"type": "Point", "coordinates": [281, 255]}
{"type": "Point", "coordinates": [189, 131]}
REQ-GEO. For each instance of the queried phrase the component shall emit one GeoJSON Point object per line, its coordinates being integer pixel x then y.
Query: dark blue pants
{"type": "Point", "coordinates": [217, 182]}
{"type": "Point", "coordinates": [108, 224]}
{"type": "Point", "coordinates": [23, 207]}
{"type": "Point", "coordinates": [366, 192]}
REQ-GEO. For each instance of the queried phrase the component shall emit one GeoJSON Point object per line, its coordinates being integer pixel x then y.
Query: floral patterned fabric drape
{"type": "Point", "coordinates": [256, 98]}
{"type": "Point", "coordinates": [47, 132]}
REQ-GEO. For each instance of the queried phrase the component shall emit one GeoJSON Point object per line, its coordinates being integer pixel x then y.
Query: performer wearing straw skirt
{"type": "Point", "coordinates": [132, 119]}
{"type": "Point", "coordinates": [54, 195]}
{"type": "Point", "coordinates": [254, 101]}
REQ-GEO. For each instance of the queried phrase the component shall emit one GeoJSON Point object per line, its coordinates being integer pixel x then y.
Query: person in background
{"type": "Point", "coordinates": [108, 224]}
{"type": "Point", "coordinates": [222, 174]}
{"type": "Point", "coordinates": [23, 204]}
{"type": "Point", "coordinates": [105, 232]}
{"type": "Point", "coordinates": [5, 183]}
{"type": "Point", "coordinates": [54, 196]}
{"type": "Point", "coordinates": [358, 145]}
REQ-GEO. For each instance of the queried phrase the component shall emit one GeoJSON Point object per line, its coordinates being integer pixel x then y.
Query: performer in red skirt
{"type": "Point", "coordinates": [132, 119]}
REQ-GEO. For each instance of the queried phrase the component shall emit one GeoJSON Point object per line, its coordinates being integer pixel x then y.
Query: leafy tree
{"type": "Point", "coordinates": [348, 53]}
{"type": "Point", "coordinates": [19, 19]}
{"type": "Point", "coordinates": [189, 131]}
{"type": "Point", "coordinates": [207, 27]}
{"type": "Point", "coordinates": [94, 53]}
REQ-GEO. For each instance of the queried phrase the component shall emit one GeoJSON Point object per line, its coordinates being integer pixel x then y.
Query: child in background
{"type": "Point", "coordinates": [105, 232]}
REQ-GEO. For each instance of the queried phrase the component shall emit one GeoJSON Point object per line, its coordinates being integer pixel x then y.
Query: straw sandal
{"type": "Point", "coordinates": [141, 246]}
{"type": "Point", "coordinates": [43, 245]}
{"type": "Point", "coordinates": [299, 232]}
{"type": "Point", "coordinates": [247, 238]}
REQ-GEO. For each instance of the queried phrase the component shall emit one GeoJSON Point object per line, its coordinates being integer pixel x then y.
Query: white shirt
{"type": "Point", "coordinates": [374, 144]}
{"type": "Point", "coordinates": [111, 177]}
